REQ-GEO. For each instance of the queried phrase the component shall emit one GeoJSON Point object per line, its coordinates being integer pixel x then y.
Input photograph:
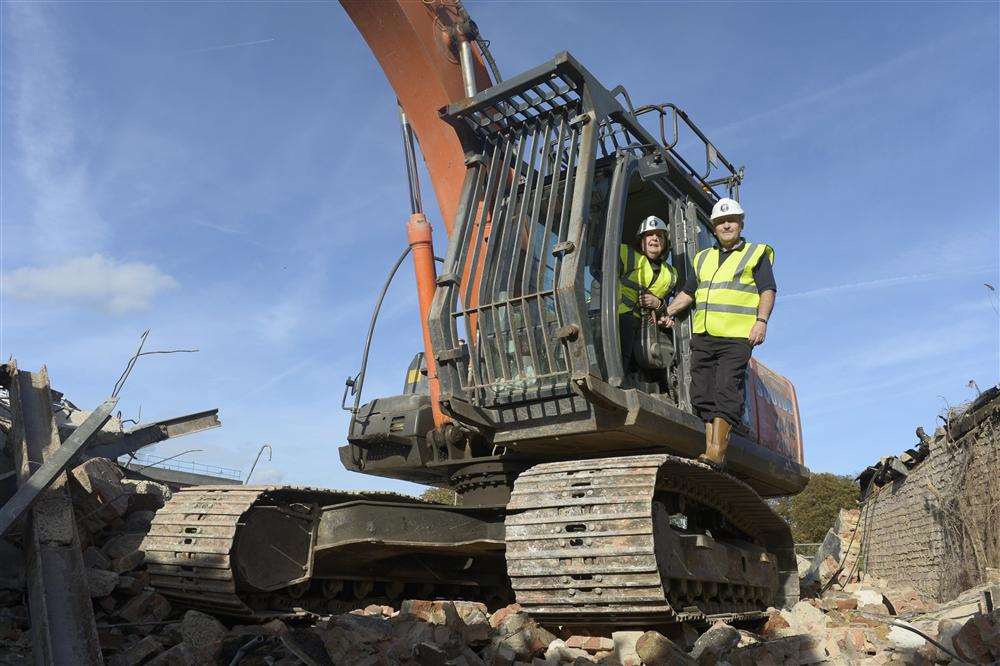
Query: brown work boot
{"type": "Point", "coordinates": [709, 443]}
{"type": "Point", "coordinates": [720, 441]}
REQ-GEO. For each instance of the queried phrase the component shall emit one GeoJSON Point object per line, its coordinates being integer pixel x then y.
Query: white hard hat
{"type": "Point", "coordinates": [651, 223]}
{"type": "Point", "coordinates": [726, 207]}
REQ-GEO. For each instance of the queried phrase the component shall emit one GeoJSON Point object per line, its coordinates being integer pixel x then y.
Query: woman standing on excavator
{"type": "Point", "coordinates": [645, 279]}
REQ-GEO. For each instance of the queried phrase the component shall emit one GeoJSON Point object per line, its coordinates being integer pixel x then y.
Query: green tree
{"type": "Point", "coordinates": [439, 495]}
{"type": "Point", "coordinates": [813, 511]}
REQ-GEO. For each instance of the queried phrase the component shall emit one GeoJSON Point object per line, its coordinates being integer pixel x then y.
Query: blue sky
{"type": "Point", "coordinates": [230, 176]}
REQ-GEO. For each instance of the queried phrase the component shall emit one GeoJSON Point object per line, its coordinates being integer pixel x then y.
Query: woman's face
{"type": "Point", "coordinates": [654, 244]}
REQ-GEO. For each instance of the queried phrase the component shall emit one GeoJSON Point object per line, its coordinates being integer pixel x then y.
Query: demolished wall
{"type": "Point", "coordinates": [937, 529]}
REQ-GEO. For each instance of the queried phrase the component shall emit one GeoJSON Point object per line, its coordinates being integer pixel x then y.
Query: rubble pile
{"type": "Point", "coordinates": [112, 515]}
{"type": "Point", "coordinates": [836, 557]}
{"type": "Point", "coordinates": [848, 621]}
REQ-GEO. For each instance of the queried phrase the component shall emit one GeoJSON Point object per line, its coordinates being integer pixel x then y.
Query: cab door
{"type": "Point", "coordinates": [639, 189]}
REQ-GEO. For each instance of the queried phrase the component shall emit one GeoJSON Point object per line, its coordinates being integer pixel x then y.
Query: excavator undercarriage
{"type": "Point", "coordinates": [632, 540]}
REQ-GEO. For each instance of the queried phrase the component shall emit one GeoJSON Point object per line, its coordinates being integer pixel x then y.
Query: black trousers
{"type": "Point", "coordinates": [628, 328]}
{"type": "Point", "coordinates": [718, 376]}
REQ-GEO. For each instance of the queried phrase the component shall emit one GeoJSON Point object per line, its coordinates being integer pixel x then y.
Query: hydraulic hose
{"type": "Point", "coordinates": [357, 383]}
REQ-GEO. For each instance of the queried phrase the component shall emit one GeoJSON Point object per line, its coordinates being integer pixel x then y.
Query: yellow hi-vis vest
{"type": "Point", "coordinates": [726, 299]}
{"type": "Point", "coordinates": [637, 276]}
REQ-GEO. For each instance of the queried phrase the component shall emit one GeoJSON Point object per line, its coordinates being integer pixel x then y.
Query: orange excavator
{"type": "Point", "coordinates": [576, 488]}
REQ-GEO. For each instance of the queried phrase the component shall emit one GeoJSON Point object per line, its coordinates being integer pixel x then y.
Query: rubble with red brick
{"type": "Point", "coordinates": [853, 621]}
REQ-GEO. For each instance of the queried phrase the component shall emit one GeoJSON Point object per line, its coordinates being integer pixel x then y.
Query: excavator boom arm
{"type": "Point", "coordinates": [416, 44]}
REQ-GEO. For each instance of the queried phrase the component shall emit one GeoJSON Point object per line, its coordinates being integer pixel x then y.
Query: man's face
{"type": "Point", "coordinates": [653, 244]}
{"type": "Point", "coordinates": [728, 229]}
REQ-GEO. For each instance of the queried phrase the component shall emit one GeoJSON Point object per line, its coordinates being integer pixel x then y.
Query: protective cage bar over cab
{"type": "Point", "coordinates": [524, 322]}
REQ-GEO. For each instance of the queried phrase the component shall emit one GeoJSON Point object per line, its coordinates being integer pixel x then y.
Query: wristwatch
{"type": "Point", "coordinates": [761, 320]}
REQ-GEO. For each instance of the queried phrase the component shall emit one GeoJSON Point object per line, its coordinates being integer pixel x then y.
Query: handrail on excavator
{"type": "Point", "coordinates": [713, 158]}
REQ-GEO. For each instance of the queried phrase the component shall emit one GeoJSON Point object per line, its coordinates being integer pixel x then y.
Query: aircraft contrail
{"type": "Point", "coordinates": [885, 282]}
{"type": "Point", "coordinates": [229, 46]}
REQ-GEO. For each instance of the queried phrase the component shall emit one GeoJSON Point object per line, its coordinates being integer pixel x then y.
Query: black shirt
{"type": "Point", "coordinates": [763, 275]}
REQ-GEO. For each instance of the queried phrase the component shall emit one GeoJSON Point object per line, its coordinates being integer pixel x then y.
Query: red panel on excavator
{"type": "Point", "coordinates": [772, 411]}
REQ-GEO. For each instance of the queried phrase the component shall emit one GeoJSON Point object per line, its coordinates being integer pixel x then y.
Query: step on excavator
{"type": "Point", "coordinates": [577, 489]}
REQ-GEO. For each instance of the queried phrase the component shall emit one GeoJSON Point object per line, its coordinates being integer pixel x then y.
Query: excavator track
{"type": "Point", "coordinates": [192, 542]}
{"type": "Point", "coordinates": [189, 543]}
{"type": "Point", "coordinates": [594, 541]}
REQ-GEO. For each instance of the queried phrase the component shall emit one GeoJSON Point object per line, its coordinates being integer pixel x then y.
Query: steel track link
{"type": "Point", "coordinates": [588, 542]}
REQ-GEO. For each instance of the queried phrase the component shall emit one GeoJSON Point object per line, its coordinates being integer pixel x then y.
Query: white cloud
{"type": "Point", "coordinates": [117, 287]}
{"type": "Point", "coordinates": [268, 476]}
{"type": "Point", "coordinates": [40, 98]}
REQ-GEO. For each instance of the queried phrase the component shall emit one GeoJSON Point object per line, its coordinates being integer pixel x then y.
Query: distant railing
{"type": "Point", "coordinates": [140, 461]}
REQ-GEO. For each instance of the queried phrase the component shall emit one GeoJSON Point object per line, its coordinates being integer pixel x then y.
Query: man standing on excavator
{"type": "Point", "coordinates": [732, 288]}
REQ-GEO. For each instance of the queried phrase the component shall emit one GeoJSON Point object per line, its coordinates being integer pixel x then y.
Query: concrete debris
{"type": "Point", "coordinates": [625, 643]}
{"type": "Point", "coordinates": [978, 640]}
{"type": "Point", "coordinates": [147, 606]}
{"type": "Point", "coordinates": [715, 643]}
{"type": "Point", "coordinates": [138, 653]}
{"type": "Point", "coordinates": [97, 488]}
{"type": "Point", "coordinates": [523, 635]}
{"type": "Point", "coordinates": [836, 555]}
{"type": "Point", "coordinates": [146, 495]}
{"type": "Point", "coordinates": [203, 634]}
{"type": "Point", "coordinates": [655, 649]}
{"type": "Point", "coordinates": [803, 563]}
{"type": "Point", "coordinates": [101, 583]}
{"type": "Point", "coordinates": [96, 559]}
{"type": "Point", "coordinates": [122, 545]}
{"type": "Point", "coordinates": [559, 652]}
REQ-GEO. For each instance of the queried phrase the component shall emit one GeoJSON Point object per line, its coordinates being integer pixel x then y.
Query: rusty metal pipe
{"type": "Point", "coordinates": [420, 236]}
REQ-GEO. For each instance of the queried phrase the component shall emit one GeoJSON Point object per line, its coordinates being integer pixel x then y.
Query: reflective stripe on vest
{"type": "Point", "coordinates": [636, 275]}
{"type": "Point", "coordinates": [726, 299]}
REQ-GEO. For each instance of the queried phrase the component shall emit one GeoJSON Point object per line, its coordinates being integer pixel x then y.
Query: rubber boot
{"type": "Point", "coordinates": [709, 443]}
{"type": "Point", "coordinates": [720, 441]}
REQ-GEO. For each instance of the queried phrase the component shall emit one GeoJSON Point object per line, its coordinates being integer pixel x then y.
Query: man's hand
{"type": "Point", "coordinates": [666, 321]}
{"type": "Point", "coordinates": [681, 302]}
{"type": "Point", "coordinates": [649, 301]}
{"type": "Point", "coordinates": [757, 333]}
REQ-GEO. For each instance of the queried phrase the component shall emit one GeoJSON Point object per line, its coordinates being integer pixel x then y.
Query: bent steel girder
{"type": "Point", "coordinates": [412, 43]}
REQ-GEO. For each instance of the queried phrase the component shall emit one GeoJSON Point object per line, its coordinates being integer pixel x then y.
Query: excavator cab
{"type": "Point", "coordinates": [524, 322]}
{"type": "Point", "coordinates": [525, 319]}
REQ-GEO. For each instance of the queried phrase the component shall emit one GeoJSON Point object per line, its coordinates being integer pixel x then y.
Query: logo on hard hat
{"type": "Point", "coordinates": [724, 207]}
